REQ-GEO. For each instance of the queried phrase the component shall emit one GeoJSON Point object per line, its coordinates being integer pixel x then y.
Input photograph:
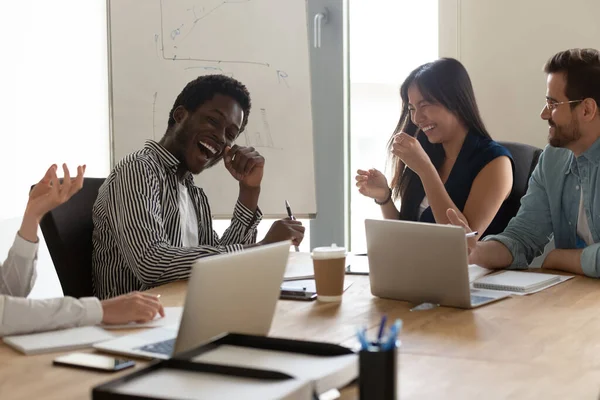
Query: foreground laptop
{"type": "Point", "coordinates": [226, 293]}
{"type": "Point", "coordinates": [422, 263]}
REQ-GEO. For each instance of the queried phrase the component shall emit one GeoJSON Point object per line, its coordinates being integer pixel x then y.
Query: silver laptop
{"type": "Point", "coordinates": [422, 263]}
{"type": "Point", "coordinates": [226, 293]}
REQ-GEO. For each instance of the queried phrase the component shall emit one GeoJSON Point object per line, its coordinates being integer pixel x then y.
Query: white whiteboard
{"type": "Point", "coordinates": [158, 46]}
{"type": "Point", "coordinates": [504, 45]}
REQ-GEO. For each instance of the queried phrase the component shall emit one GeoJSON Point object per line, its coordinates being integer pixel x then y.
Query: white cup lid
{"type": "Point", "coordinates": [328, 252]}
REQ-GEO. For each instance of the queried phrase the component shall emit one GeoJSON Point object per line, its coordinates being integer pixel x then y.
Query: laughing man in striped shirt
{"type": "Point", "coordinates": [151, 222]}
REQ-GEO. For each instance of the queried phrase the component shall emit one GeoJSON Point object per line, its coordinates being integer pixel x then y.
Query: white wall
{"type": "Point", "coordinates": [376, 73]}
{"type": "Point", "coordinates": [54, 96]}
{"type": "Point", "coordinates": [504, 45]}
{"type": "Point", "coordinates": [53, 104]}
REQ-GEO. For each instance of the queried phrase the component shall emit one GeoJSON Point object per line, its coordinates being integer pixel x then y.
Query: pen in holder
{"type": "Point", "coordinates": [377, 373]}
{"type": "Point", "coordinates": [377, 363]}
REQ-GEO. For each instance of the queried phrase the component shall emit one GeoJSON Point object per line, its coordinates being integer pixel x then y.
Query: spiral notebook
{"type": "Point", "coordinates": [516, 281]}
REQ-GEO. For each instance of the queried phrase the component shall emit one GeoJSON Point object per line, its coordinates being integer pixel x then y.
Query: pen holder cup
{"type": "Point", "coordinates": [377, 378]}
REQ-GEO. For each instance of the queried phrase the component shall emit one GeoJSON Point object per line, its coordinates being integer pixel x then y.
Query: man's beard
{"type": "Point", "coordinates": [564, 135]}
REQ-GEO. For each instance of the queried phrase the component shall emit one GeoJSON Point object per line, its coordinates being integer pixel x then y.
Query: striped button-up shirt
{"type": "Point", "coordinates": [137, 230]}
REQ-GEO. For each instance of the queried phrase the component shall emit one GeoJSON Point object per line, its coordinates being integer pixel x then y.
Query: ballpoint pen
{"type": "Point", "coordinates": [393, 334]}
{"type": "Point", "coordinates": [364, 344]}
{"type": "Point", "coordinates": [381, 328]}
{"type": "Point", "coordinates": [289, 213]}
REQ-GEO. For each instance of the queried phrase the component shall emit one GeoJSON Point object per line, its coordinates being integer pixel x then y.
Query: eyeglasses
{"type": "Point", "coordinates": [551, 105]}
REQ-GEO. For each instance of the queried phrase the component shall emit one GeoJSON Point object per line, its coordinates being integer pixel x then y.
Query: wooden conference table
{"type": "Point", "coordinates": [542, 346]}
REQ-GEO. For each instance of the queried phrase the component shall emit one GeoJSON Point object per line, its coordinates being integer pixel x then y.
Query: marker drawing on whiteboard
{"type": "Point", "coordinates": [154, 115]}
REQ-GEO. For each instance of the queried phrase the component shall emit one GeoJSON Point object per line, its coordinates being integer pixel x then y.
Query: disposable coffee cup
{"type": "Point", "coordinates": [330, 269]}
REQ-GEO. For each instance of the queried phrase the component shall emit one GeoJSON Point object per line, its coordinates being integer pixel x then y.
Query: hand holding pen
{"type": "Point", "coordinates": [285, 229]}
{"type": "Point", "coordinates": [291, 216]}
{"type": "Point", "coordinates": [472, 236]}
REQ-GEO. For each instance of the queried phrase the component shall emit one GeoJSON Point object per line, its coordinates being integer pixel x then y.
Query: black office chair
{"type": "Point", "coordinates": [525, 158]}
{"type": "Point", "coordinates": [68, 231]}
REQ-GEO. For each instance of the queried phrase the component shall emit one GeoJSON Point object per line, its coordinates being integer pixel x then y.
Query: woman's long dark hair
{"type": "Point", "coordinates": [447, 83]}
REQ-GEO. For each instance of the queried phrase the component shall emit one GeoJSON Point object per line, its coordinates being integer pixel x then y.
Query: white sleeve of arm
{"type": "Point", "coordinates": [19, 315]}
{"type": "Point", "coordinates": [18, 273]}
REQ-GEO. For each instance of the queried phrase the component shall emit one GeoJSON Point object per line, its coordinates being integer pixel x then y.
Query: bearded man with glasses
{"type": "Point", "coordinates": [563, 198]}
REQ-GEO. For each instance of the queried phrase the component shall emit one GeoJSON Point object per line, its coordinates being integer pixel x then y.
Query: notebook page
{"type": "Point", "coordinates": [299, 266]}
{"type": "Point", "coordinates": [326, 372]}
{"type": "Point", "coordinates": [520, 281]}
{"type": "Point", "coordinates": [557, 280]}
{"type": "Point", "coordinates": [61, 340]}
{"type": "Point", "coordinates": [476, 272]}
{"type": "Point", "coordinates": [176, 384]}
{"type": "Point", "coordinates": [172, 317]}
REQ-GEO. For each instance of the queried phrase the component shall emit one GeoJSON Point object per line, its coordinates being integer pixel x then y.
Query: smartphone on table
{"type": "Point", "coordinates": [304, 290]}
{"type": "Point", "coordinates": [96, 362]}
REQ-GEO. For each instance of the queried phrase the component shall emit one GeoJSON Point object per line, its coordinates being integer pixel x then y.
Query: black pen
{"type": "Point", "coordinates": [289, 213]}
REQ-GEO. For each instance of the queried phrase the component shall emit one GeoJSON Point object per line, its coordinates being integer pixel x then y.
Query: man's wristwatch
{"type": "Point", "coordinates": [387, 200]}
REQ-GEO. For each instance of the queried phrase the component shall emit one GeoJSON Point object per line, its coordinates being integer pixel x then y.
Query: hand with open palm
{"type": "Point", "coordinates": [50, 192]}
{"type": "Point", "coordinates": [46, 195]}
{"type": "Point", "coordinates": [373, 184]}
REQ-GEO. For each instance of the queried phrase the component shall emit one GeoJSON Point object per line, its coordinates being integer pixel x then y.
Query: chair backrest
{"type": "Point", "coordinates": [525, 158]}
{"type": "Point", "coordinates": [68, 232]}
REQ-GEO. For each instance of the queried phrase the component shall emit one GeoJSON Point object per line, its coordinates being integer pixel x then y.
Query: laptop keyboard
{"type": "Point", "coordinates": [165, 347]}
